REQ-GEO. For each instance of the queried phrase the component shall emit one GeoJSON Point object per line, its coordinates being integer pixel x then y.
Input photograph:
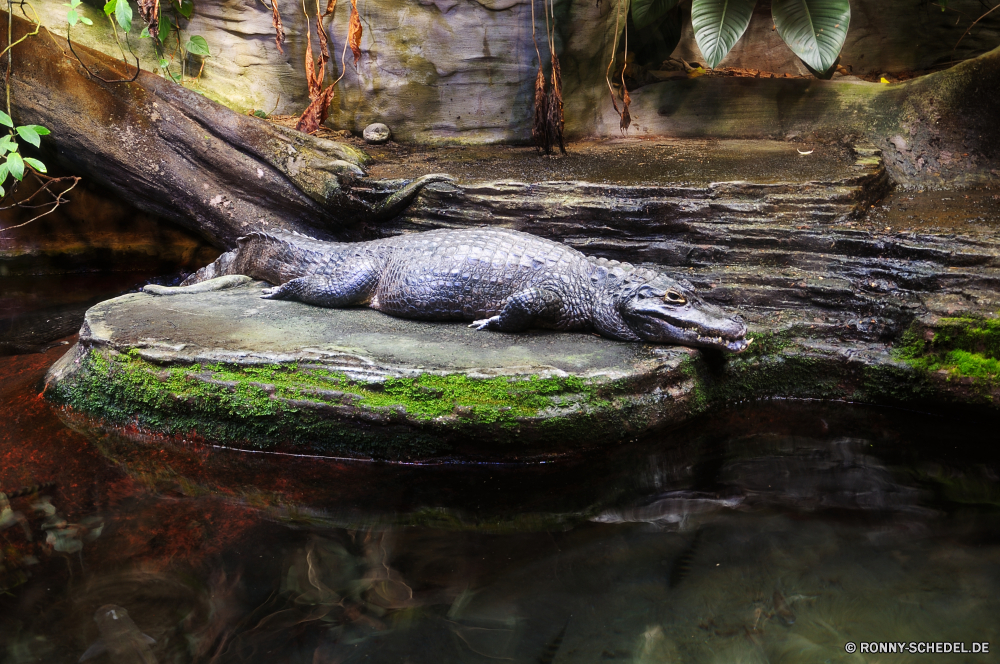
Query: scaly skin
{"type": "Point", "coordinates": [499, 279]}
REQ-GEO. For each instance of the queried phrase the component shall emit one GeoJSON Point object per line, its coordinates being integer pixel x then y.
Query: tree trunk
{"type": "Point", "coordinates": [176, 154]}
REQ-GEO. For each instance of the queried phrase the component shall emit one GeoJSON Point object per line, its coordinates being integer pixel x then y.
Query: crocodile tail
{"type": "Point", "coordinates": [220, 267]}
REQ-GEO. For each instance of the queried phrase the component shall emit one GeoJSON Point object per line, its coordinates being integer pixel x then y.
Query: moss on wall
{"type": "Point", "coordinates": [962, 347]}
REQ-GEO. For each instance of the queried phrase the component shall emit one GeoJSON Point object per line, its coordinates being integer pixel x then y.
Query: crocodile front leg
{"type": "Point", "coordinates": [354, 286]}
{"type": "Point", "coordinates": [523, 310]}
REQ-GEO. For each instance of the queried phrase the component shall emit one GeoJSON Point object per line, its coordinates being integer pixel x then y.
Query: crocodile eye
{"type": "Point", "coordinates": [673, 297]}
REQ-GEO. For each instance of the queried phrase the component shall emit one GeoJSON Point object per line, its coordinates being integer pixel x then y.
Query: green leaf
{"type": "Point", "coordinates": [145, 33]}
{"type": "Point", "coordinates": [5, 120]}
{"type": "Point", "coordinates": [16, 165]}
{"type": "Point", "coordinates": [197, 46]}
{"type": "Point", "coordinates": [184, 7]}
{"type": "Point", "coordinates": [163, 63]}
{"type": "Point", "coordinates": [109, 7]}
{"type": "Point", "coordinates": [72, 17]}
{"type": "Point", "coordinates": [7, 144]}
{"type": "Point", "coordinates": [815, 30]}
{"type": "Point", "coordinates": [123, 13]}
{"type": "Point", "coordinates": [3, 192]}
{"type": "Point", "coordinates": [3, 172]}
{"type": "Point", "coordinates": [718, 25]}
{"type": "Point", "coordinates": [35, 164]}
{"type": "Point", "coordinates": [86, 21]}
{"type": "Point", "coordinates": [648, 12]}
{"type": "Point", "coordinates": [29, 134]}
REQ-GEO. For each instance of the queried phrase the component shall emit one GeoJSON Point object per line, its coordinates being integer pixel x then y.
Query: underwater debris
{"type": "Point", "coordinates": [551, 648]}
{"type": "Point", "coordinates": [781, 609]}
{"type": "Point", "coordinates": [682, 565]}
{"type": "Point", "coordinates": [120, 638]}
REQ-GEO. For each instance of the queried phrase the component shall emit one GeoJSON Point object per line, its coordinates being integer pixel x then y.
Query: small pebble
{"type": "Point", "coordinates": [376, 133]}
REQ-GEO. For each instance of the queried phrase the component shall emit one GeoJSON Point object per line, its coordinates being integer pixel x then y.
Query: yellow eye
{"type": "Point", "coordinates": [674, 297]}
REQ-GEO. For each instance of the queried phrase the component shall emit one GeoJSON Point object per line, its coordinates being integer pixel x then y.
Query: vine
{"type": "Point", "coordinates": [547, 127]}
{"type": "Point", "coordinates": [15, 165]}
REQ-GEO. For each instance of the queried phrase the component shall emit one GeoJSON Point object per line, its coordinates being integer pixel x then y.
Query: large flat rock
{"type": "Point", "coordinates": [233, 368]}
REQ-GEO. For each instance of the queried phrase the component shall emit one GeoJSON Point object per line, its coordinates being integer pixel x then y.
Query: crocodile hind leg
{"type": "Point", "coordinates": [522, 310]}
{"type": "Point", "coordinates": [337, 290]}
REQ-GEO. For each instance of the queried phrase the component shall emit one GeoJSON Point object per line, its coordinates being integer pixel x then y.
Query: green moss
{"type": "Point", "coordinates": [963, 347]}
{"type": "Point", "coordinates": [266, 405]}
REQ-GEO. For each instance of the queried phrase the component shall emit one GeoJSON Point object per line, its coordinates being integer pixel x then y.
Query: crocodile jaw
{"type": "Point", "coordinates": [695, 324]}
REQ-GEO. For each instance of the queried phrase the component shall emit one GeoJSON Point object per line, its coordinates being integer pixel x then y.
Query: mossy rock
{"type": "Point", "coordinates": [283, 376]}
{"type": "Point", "coordinates": [229, 368]}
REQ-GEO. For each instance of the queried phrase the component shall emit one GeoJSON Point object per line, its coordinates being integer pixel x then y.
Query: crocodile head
{"type": "Point", "coordinates": [665, 311]}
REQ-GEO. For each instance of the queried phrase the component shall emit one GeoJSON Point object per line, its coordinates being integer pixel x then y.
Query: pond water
{"type": "Point", "coordinates": [770, 532]}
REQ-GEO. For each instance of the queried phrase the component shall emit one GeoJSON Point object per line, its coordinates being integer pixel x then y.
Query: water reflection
{"type": "Point", "coordinates": [772, 532]}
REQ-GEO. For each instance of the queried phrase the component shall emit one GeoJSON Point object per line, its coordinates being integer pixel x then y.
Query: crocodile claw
{"type": "Point", "coordinates": [269, 293]}
{"type": "Point", "coordinates": [484, 323]}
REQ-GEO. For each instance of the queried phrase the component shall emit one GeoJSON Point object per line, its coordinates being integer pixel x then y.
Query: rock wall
{"type": "Point", "coordinates": [463, 70]}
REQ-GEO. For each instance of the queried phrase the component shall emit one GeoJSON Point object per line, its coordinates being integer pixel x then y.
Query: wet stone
{"type": "Point", "coordinates": [376, 133]}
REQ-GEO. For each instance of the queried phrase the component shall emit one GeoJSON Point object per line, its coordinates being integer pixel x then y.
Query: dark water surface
{"type": "Point", "coordinates": [772, 532]}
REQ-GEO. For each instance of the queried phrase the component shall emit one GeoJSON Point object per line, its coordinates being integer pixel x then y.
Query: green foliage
{"type": "Point", "coordinates": [14, 163]}
{"type": "Point", "coordinates": [815, 30]}
{"type": "Point", "coordinates": [649, 12]}
{"type": "Point", "coordinates": [35, 164]}
{"type": "Point", "coordinates": [122, 11]}
{"type": "Point", "coordinates": [185, 7]}
{"type": "Point", "coordinates": [31, 133]}
{"type": "Point", "coordinates": [197, 46]}
{"type": "Point", "coordinates": [718, 25]}
{"type": "Point", "coordinates": [73, 17]}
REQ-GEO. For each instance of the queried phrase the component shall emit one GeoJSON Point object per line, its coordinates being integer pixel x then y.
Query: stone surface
{"type": "Point", "coordinates": [376, 133]}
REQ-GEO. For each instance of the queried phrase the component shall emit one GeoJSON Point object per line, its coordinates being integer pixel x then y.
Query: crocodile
{"type": "Point", "coordinates": [499, 279]}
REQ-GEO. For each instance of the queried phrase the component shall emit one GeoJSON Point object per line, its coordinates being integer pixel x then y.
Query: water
{"type": "Point", "coordinates": [772, 532]}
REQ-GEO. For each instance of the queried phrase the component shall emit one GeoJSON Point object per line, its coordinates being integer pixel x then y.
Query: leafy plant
{"type": "Point", "coordinates": [122, 11]}
{"type": "Point", "coordinates": [14, 163]}
{"type": "Point", "coordinates": [73, 17]}
{"type": "Point", "coordinates": [197, 45]}
{"type": "Point", "coordinates": [815, 30]}
{"type": "Point", "coordinates": [718, 25]}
